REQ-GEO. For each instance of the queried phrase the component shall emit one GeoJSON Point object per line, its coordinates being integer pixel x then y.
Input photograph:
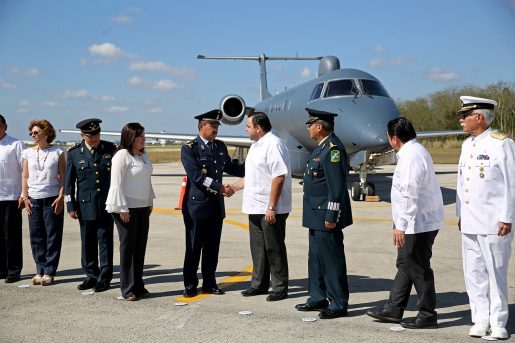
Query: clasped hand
{"type": "Point", "coordinates": [227, 190]}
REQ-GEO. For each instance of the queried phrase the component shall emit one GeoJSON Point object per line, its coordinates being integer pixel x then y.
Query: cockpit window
{"type": "Point", "coordinates": [373, 88]}
{"type": "Point", "coordinates": [339, 88]}
{"type": "Point", "coordinates": [316, 91]}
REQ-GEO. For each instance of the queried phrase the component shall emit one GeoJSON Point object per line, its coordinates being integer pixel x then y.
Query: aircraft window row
{"type": "Point", "coordinates": [348, 87]}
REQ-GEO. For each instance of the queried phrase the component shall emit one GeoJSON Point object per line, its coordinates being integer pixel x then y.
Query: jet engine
{"type": "Point", "coordinates": [233, 109]}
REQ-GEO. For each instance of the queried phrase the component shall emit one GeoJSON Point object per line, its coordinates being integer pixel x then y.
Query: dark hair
{"type": "Point", "coordinates": [129, 132]}
{"type": "Point", "coordinates": [402, 128]}
{"type": "Point", "coordinates": [261, 119]}
{"type": "Point", "coordinates": [46, 127]}
{"type": "Point", "coordinates": [2, 120]}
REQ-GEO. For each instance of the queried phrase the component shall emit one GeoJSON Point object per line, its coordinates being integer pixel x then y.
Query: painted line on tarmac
{"type": "Point", "coordinates": [242, 276]}
{"type": "Point", "coordinates": [179, 213]}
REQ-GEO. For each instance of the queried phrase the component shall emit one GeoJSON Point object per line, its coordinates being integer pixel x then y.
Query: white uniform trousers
{"type": "Point", "coordinates": [485, 265]}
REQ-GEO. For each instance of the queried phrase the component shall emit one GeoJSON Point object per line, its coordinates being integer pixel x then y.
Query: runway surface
{"type": "Point", "coordinates": [61, 313]}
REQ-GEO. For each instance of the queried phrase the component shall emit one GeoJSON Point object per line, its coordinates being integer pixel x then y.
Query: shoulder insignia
{"type": "Point", "coordinates": [191, 143]}
{"type": "Point", "coordinates": [74, 147]}
{"type": "Point", "coordinates": [335, 156]}
{"type": "Point", "coordinates": [498, 135]}
{"type": "Point", "coordinates": [331, 144]}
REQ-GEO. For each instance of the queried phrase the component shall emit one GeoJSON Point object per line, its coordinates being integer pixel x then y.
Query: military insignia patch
{"type": "Point", "coordinates": [204, 171]}
{"type": "Point", "coordinates": [498, 135]}
{"type": "Point", "coordinates": [335, 155]}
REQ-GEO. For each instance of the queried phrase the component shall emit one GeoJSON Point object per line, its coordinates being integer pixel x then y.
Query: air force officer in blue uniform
{"type": "Point", "coordinates": [205, 159]}
{"type": "Point", "coordinates": [326, 211]}
{"type": "Point", "coordinates": [88, 175]}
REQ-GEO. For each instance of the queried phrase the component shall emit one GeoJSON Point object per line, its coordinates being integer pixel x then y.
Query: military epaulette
{"type": "Point", "coordinates": [192, 143]}
{"type": "Point", "coordinates": [331, 144]}
{"type": "Point", "coordinates": [74, 147]}
{"type": "Point", "coordinates": [498, 135]}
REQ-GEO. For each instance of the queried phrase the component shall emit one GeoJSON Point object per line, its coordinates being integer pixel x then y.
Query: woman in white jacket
{"type": "Point", "coordinates": [130, 200]}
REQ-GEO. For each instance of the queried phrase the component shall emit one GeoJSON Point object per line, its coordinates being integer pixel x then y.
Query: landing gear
{"type": "Point", "coordinates": [359, 192]}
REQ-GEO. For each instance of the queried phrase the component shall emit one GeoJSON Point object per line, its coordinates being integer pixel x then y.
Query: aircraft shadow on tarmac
{"type": "Point", "coordinates": [383, 185]}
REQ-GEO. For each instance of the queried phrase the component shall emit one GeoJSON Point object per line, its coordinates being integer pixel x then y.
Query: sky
{"type": "Point", "coordinates": [135, 60]}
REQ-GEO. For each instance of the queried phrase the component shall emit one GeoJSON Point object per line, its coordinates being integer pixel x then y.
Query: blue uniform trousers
{"type": "Point", "coordinates": [327, 269]}
{"type": "Point", "coordinates": [97, 243]}
{"type": "Point", "coordinates": [46, 235]}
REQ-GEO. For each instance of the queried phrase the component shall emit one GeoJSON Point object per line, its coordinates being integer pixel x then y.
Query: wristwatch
{"type": "Point", "coordinates": [271, 208]}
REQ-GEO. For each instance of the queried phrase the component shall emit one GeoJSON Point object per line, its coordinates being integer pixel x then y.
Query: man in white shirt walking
{"type": "Point", "coordinates": [11, 168]}
{"type": "Point", "coordinates": [417, 211]}
{"type": "Point", "coordinates": [485, 204]}
{"type": "Point", "coordinates": [267, 200]}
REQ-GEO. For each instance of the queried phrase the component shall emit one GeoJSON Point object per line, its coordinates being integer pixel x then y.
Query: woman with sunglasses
{"type": "Point", "coordinates": [44, 169]}
{"type": "Point", "coordinates": [130, 200]}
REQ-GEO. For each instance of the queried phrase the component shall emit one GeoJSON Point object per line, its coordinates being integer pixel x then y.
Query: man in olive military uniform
{"type": "Point", "coordinates": [205, 159]}
{"type": "Point", "coordinates": [326, 211]}
{"type": "Point", "coordinates": [88, 175]}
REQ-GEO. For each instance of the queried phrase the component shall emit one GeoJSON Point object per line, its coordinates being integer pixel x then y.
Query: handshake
{"type": "Point", "coordinates": [227, 190]}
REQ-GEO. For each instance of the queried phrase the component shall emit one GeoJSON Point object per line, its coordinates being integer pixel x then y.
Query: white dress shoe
{"type": "Point", "coordinates": [479, 329]}
{"type": "Point", "coordinates": [499, 333]}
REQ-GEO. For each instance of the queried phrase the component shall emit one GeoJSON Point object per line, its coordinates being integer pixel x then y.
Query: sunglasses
{"type": "Point", "coordinates": [465, 115]}
{"type": "Point", "coordinates": [34, 133]}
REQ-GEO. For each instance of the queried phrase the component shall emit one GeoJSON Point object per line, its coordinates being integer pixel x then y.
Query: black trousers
{"type": "Point", "coordinates": [133, 245]}
{"type": "Point", "coordinates": [11, 253]}
{"type": "Point", "coordinates": [327, 269]}
{"type": "Point", "coordinates": [46, 235]}
{"type": "Point", "coordinates": [202, 237]}
{"type": "Point", "coordinates": [268, 252]}
{"type": "Point", "coordinates": [414, 268]}
{"type": "Point", "coordinates": [97, 245]}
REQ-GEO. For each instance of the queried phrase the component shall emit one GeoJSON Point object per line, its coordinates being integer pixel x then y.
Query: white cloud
{"type": "Point", "coordinates": [27, 72]}
{"type": "Point", "coordinates": [165, 85]}
{"type": "Point", "coordinates": [161, 85]}
{"type": "Point", "coordinates": [7, 85]}
{"type": "Point", "coordinates": [162, 67]}
{"type": "Point", "coordinates": [117, 109]}
{"type": "Point", "coordinates": [122, 18]}
{"type": "Point", "coordinates": [108, 51]}
{"type": "Point", "coordinates": [134, 81]}
{"type": "Point", "coordinates": [306, 72]}
{"type": "Point", "coordinates": [156, 110]}
{"type": "Point", "coordinates": [104, 98]}
{"type": "Point", "coordinates": [24, 103]}
{"type": "Point", "coordinates": [437, 74]}
{"type": "Point", "coordinates": [383, 63]}
{"type": "Point", "coordinates": [51, 104]}
{"type": "Point", "coordinates": [81, 93]}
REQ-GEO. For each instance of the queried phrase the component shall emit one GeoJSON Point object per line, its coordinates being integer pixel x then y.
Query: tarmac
{"type": "Point", "coordinates": [61, 313]}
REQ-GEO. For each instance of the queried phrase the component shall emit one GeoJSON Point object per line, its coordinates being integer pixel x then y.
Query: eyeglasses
{"type": "Point", "coordinates": [34, 133]}
{"type": "Point", "coordinates": [465, 114]}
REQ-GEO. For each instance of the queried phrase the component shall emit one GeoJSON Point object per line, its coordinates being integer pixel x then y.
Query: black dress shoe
{"type": "Point", "coordinates": [11, 279]}
{"type": "Point", "coordinates": [212, 290]}
{"type": "Point", "coordinates": [419, 323]}
{"type": "Point", "coordinates": [250, 292]}
{"type": "Point", "coordinates": [190, 293]}
{"type": "Point", "coordinates": [384, 315]}
{"type": "Point", "coordinates": [312, 307]}
{"type": "Point", "coordinates": [88, 284]}
{"type": "Point", "coordinates": [101, 287]}
{"type": "Point", "coordinates": [330, 314]}
{"type": "Point", "coordinates": [276, 296]}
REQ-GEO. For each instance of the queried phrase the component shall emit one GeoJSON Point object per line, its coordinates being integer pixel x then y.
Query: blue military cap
{"type": "Point", "coordinates": [89, 126]}
{"type": "Point", "coordinates": [212, 116]}
{"type": "Point", "coordinates": [474, 103]}
{"type": "Point", "coordinates": [315, 115]}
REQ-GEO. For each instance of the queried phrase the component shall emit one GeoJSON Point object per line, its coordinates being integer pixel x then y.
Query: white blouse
{"type": "Point", "coordinates": [131, 184]}
{"type": "Point", "coordinates": [43, 181]}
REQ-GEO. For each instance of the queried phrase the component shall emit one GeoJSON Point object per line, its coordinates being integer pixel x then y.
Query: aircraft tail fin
{"type": "Point", "coordinates": [263, 85]}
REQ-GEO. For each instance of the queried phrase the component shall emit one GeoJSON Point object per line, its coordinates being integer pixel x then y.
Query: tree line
{"type": "Point", "coordinates": [437, 111]}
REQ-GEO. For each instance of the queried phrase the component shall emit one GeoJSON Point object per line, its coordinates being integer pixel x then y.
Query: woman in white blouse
{"type": "Point", "coordinates": [130, 201]}
{"type": "Point", "coordinates": [44, 169]}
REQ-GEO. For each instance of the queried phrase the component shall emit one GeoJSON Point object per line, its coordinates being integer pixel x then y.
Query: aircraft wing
{"type": "Point", "coordinates": [236, 141]}
{"type": "Point", "coordinates": [429, 134]}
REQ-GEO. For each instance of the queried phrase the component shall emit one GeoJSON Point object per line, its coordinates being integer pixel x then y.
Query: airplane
{"type": "Point", "coordinates": [361, 102]}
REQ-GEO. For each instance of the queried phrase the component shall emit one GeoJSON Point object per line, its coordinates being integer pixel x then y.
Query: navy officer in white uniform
{"type": "Point", "coordinates": [485, 205]}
